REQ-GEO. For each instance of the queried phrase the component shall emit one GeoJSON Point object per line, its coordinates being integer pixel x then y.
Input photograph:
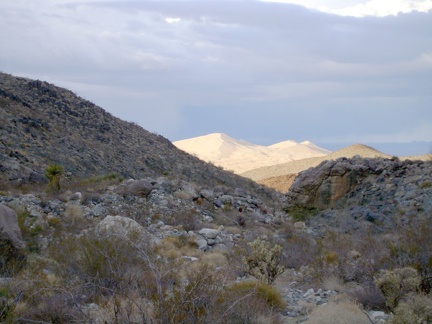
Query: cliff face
{"type": "Point", "coordinates": [42, 124]}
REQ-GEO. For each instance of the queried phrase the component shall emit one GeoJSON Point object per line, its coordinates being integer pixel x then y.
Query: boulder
{"type": "Point", "coordinates": [9, 229]}
{"type": "Point", "coordinates": [207, 194]}
{"type": "Point", "coordinates": [209, 233]}
{"type": "Point", "coordinates": [140, 188]}
{"type": "Point", "coordinates": [120, 226]}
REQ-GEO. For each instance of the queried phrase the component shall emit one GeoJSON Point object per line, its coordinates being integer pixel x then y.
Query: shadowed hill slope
{"type": "Point", "coordinates": [42, 124]}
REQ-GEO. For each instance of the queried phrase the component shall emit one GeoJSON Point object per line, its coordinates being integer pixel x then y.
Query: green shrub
{"type": "Point", "coordinates": [262, 261]}
{"type": "Point", "coordinates": [301, 214]}
{"type": "Point", "coordinates": [6, 310]}
{"type": "Point", "coordinates": [426, 184]}
{"type": "Point", "coordinates": [54, 173]}
{"type": "Point", "coordinates": [12, 260]}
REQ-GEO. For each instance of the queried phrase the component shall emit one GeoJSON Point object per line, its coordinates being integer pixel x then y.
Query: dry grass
{"type": "Point", "coordinates": [340, 311]}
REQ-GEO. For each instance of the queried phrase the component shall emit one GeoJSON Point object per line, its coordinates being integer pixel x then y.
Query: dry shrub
{"type": "Point", "coordinates": [416, 308]}
{"type": "Point", "coordinates": [194, 301]}
{"type": "Point", "coordinates": [233, 230]}
{"type": "Point", "coordinates": [174, 247]}
{"type": "Point", "coordinates": [411, 246]}
{"type": "Point", "coordinates": [299, 249]}
{"type": "Point", "coordinates": [397, 284]}
{"type": "Point", "coordinates": [251, 302]}
{"type": "Point", "coordinates": [42, 296]}
{"type": "Point", "coordinates": [102, 263]}
{"type": "Point", "coordinates": [338, 312]}
{"type": "Point", "coordinates": [189, 219]}
{"type": "Point", "coordinates": [369, 296]}
{"type": "Point", "coordinates": [53, 308]}
{"type": "Point", "coordinates": [353, 258]}
{"type": "Point", "coordinates": [12, 260]}
{"type": "Point", "coordinates": [73, 212]}
{"type": "Point", "coordinates": [203, 296]}
{"type": "Point", "coordinates": [263, 291]}
{"type": "Point", "coordinates": [73, 220]}
{"type": "Point", "coordinates": [119, 309]}
{"type": "Point", "coordinates": [214, 259]}
{"type": "Point", "coordinates": [333, 283]}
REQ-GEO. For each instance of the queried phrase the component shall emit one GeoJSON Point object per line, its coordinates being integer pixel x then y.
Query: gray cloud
{"type": "Point", "coordinates": [258, 71]}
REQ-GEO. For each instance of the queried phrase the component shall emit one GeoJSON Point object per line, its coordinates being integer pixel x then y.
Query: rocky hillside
{"type": "Point", "coordinates": [349, 193]}
{"type": "Point", "coordinates": [42, 124]}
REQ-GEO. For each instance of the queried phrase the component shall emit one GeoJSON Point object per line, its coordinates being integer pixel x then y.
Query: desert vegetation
{"type": "Point", "coordinates": [74, 269]}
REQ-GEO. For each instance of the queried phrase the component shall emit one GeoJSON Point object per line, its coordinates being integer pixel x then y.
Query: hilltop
{"type": "Point", "coordinates": [42, 124]}
{"type": "Point", "coordinates": [241, 156]}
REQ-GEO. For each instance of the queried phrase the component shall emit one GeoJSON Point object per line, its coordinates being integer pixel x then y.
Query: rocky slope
{"type": "Point", "coordinates": [349, 193]}
{"type": "Point", "coordinates": [241, 156]}
{"type": "Point", "coordinates": [42, 124]}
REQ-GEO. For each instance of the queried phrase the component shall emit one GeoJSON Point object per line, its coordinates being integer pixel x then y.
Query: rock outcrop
{"type": "Point", "coordinates": [366, 189]}
{"type": "Point", "coordinates": [10, 233]}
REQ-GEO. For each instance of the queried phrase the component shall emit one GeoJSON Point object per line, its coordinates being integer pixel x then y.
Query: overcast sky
{"type": "Point", "coordinates": [332, 72]}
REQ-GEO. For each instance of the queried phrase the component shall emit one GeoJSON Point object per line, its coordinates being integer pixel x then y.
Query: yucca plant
{"type": "Point", "coordinates": [54, 173]}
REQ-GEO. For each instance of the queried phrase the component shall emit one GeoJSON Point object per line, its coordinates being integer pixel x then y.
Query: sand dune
{"type": "Point", "coordinates": [241, 156]}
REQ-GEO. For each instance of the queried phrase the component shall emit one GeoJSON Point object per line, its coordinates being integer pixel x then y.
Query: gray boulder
{"type": "Point", "coordinates": [140, 188]}
{"type": "Point", "coordinates": [120, 226]}
{"type": "Point", "coordinates": [9, 229]}
{"type": "Point", "coordinates": [209, 233]}
{"type": "Point", "coordinates": [123, 227]}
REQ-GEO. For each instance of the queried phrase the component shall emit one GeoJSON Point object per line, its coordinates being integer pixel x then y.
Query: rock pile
{"type": "Point", "coordinates": [160, 208]}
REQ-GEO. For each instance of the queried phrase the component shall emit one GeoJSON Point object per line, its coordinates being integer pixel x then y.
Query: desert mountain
{"type": "Point", "coordinates": [41, 124]}
{"type": "Point", "coordinates": [241, 156]}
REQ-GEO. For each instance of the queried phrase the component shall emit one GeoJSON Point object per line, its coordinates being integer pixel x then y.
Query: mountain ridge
{"type": "Point", "coordinates": [241, 156]}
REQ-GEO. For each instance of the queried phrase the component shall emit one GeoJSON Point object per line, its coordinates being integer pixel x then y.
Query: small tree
{"type": "Point", "coordinates": [54, 173]}
{"type": "Point", "coordinates": [263, 261]}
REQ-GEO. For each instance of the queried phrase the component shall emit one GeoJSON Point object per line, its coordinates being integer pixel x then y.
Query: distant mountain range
{"type": "Point", "coordinates": [241, 156]}
{"type": "Point", "coordinates": [274, 166]}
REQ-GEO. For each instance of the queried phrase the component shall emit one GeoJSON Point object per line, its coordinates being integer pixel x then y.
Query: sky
{"type": "Point", "coordinates": [332, 72]}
